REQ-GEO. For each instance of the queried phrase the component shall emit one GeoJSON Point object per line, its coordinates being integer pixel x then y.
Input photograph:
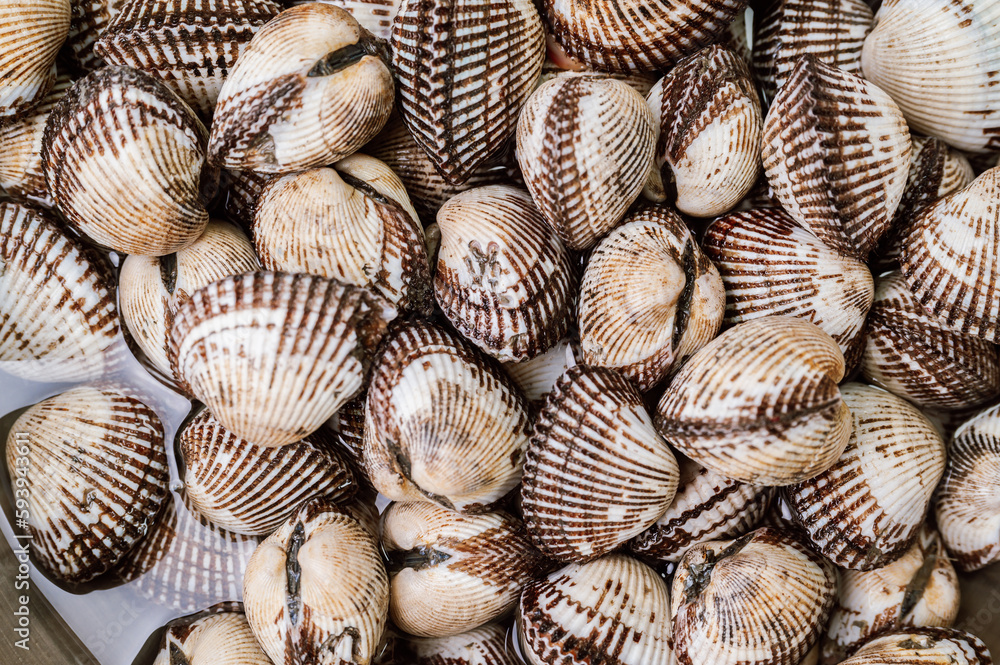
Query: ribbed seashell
{"type": "Point", "coordinates": [948, 257]}
{"type": "Point", "coordinates": [352, 222]}
{"type": "Point", "coordinates": [315, 591]}
{"type": "Point", "coordinates": [482, 646]}
{"type": "Point", "coordinates": [94, 470]}
{"type": "Point", "coordinates": [250, 489]}
{"type": "Point", "coordinates": [919, 589]}
{"type": "Point", "coordinates": [614, 610]}
{"type": "Point", "coordinates": [240, 192]}
{"type": "Point", "coordinates": [865, 511]}
{"type": "Point", "coordinates": [448, 572]}
{"type": "Point", "coordinates": [190, 45]}
{"type": "Point", "coordinates": [123, 159]}
{"type": "Point", "coordinates": [58, 317]}
{"type": "Point", "coordinates": [648, 298]}
{"type": "Point", "coordinates": [274, 355]}
{"type": "Point", "coordinates": [912, 353]}
{"type": "Point", "coordinates": [349, 424]}
{"type": "Point", "coordinates": [939, 61]}
{"type": "Point", "coordinates": [31, 34]}
{"type": "Point", "coordinates": [923, 646]}
{"type": "Point", "coordinates": [837, 153]}
{"type": "Point", "coordinates": [760, 403]}
{"type": "Point", "coordinates": [772, 266]}
{"type": "Point", "coordinates": [375, 16]}
{"type": "Point", "coordinates": [503, 278]}
{"type": "Point", "coordinates": [89, 20]}
{"type": "Point", "coordinates": [596, 473]}
{"type": "Point", "coordinates": [832, 31]}
{"type": "Point", "coordinates": [223, 638]}
{"type": "Point", "coordinates": [761, 599]}
{"type": "Point", "coordinates": [968, 502]}
{"type": "Point", "coordinates": [643, 82]}
{"type": "Point", "coordinates": [152, 288]}
{"type": "Point", "coordinates": [709, 125]}
{"type": "Point", "coordinates": [310, 88]}
{"type": "Point", "coordinates": [435, 399]}
{"type": "Point", "coordinates": [451, 60]}
{"type": "Point", "coordinates": [707, 506]}
{"type": "Point", "coordinates": [637, 35]}
{"type": "Point", "coordinates": [585, 144]}
{"type": "Point", "coordinates": [538, 376]}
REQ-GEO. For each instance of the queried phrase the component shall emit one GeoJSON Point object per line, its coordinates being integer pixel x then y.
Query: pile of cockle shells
{"type": "Point", "coordinates": [667, 330]}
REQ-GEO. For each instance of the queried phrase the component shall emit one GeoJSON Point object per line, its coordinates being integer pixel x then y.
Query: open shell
{"type": "Point", "coordinates": [31, 34]}
{"type": "Point", "coordinates": [222, 638]}
{"type": "Point", "coordinates": [923, 646]}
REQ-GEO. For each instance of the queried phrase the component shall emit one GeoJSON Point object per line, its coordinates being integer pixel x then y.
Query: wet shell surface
{"type": "Point", "coordinates": [352, 222]}
{"type": "Point", "coordinates": [837, 153]}
{"type": "Point", "coordinates": [503, 278]}
{"type": "Point", "coordinates": [450, 59]}
{"type": "Point", "coordinates": [482, 646]}
{"type": "Point", "coordinates": [760, 403]}
{"type": "Point", "coordinates": [94, 467]}
{"type": "Point", "coordinates": [927, 646]}
{"type": "Point", "coordinates": [89, 20]}
{"type": "Point", "coordinates": [865, 511]}
{"type": "Point", "coordinates": [585, 144]}
{"type": "Point", "coordinates": [310, 88]}
{"type": "Point", "coordinates": [123, 159]}
{"type": "Point", "coordinates": [375, 16]}
{"type": "Point", "coordinates": [708, 133]}
{"type": "Point", "coordinates": [538, 376]}
{"type": "Point", "coordinates": [614, 610]}
{"type": "Point", "coordinates": [315, 591]}
{"type": "Point", "coordinates": [449, 572]}
{"type": "Point", "coordinates": [443, 422]}
{"type": "Point", "coordinates": [224, 638]}
{"type": "Point", "coordinates": [648, 298]}
{"type": "Point", "coordinates": [761, 599]}
{"type": "Point", "coordinates": [596, 472]}
{"type": "Point", "coordinates": [31, 34]}
{"type": "Point", "coordinates": [274, 355]}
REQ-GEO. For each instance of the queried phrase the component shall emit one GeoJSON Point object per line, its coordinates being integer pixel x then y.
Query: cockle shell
{"type": "Point", "coordinates": [310, 88]}
{"type": "Point", "coordinates": [923, 646]}
{"type": "Point", "coordinates": [375, 16]}
{"type": "Point", "coordinates": [919, 589]}
{"type": "Point", "coordinates": [250, 489]}
{"type": "Point", "coordinates": [614, 610]}
{"type": "Point", "coordinates": [349, 425]}
{"type": "Point", "coordinates": [274, 355]}
{"type": "Point", "coordinates": [938, 59]}
{"type": "Point", "coordinates": [553, 66]}
{"type": "Point", "coordinates": [464, 70]}
{"type": "Point", "coordinates": [537, 376]}
{"type": "Point", "coordinates": [443, 422]}
{"type": "Point", "coordinates": [482, 646]}
{"type": "Point", "coordinates": [123, 159]}
{"type": "Point", "coordinates": [760, 403]}
{"type": "Point", "coordinates": [709, 125]}
{"type": "Point", "coordinates": [837, 153]}
{"type": "Point", "coordinates": [352, 222]}
{"type": "Point", "coordinates": [596, 472]}
{"type": "Point", "coordinates": [772, 266]}
{"type": "Point", "coordinates": [93, 467]}
{"type": "Point", "coordinates": [191, 45]}
{"type": "Point", "coordinates": [912, 353]}
{"type": "Point", "coordinates": [865, 511]}
{"type": "Point", "coordinates": [223, 638]}
{"type": "Point", "coordinates": [89, 20]}
{"type": "Point", "coordinates": [448, 572]}
{"type": "Point", "coordinates": [31, 34]}
{"type": "Point", "coordinates": [648, 298]}
{"type": "Point", "coordinates": [503, 279]}
{"type": "Point", "coordinates": [585, 144]}
{"type": "Point", "coordinates": [968, 501]}
{"type": "Point", "coordinates": [240, 192]}
{"type": "Point", "coordinates": [315, 591]}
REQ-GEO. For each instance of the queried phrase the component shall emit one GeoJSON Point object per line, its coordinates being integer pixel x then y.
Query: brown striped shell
{"type": "Point", "coordinates": [503, 278]}
{"type": "Point", "coordinates": [464, 70]}
{"type": "Point", "coordinates": [315, 591]}
{"type": "Point", "coordinates": [191, 45]}
{"type": "Point", "coordinates": [913, 354]}
{"type": "Point", "coordinates": [596, 473]}
{"type": "Point", "coordinates": [761, 599]}
{"type": "Point", "coordinates": [443, 422]}
{"type": "Point", "coordinates": [837, 153]}
{"type": "Point", "coordinates": [555, 65]}
{"type": "Point", "coordinates": [92, 464]}
{"type": "Point", "coordinates": [923, 646]}
{"type": "Point", "coordinates": [648, 298]}
{"type": "Point", "coordinates": [352, 222]}
{"type": "Point", "coordinates": [537, 377]}
{"type": "Point", "coordinates": [375, 16]}
{"type": "Point", "coordinates": [865, 511]}
{"type": "Point", "coordinates": [274, 355]}
{"type": "Point", "coordinates": [760, 403]}
{"type": "Point", "coordinates": [89, 20]}
{"type": "Point", "coordinates": [31, 34]}
{"type": "Point", "coordinates": [222, 638]}
{"type": "Point", "coordinates": [310, 88]}
{"type": "Point", "coordinates": [123, 159]}
{"type": "Point", "coordinates": [482, 646]}
{"type": "Point", "coordinates": [614, 611]}
{"type": "Point", "coordinates": [709, 125]}
{"type": "Point", "coordinates": [448, 572]}
{"type": "Point", "coordinates": [585, 144]}
{"type": "Point", "coordinates": [240, 191]}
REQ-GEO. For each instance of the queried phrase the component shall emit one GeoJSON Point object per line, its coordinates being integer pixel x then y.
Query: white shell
{"type": "Point", "coordinates": [926, 646]}
{"type": "Point", "coordinates": [483, 646]}
{"type": "Point", "coordinates": [224, 638]}
{"type": "Point", "coordinates": [31, 34]}
{"type": "Point", "coordinates": [375, 16]}
{"type": "Point", "coordinates": [537, 376]}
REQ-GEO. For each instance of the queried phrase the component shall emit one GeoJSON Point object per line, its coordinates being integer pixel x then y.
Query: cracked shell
{"type": "Point", "coordinates": [31, 34]}
{"type": "Point", "coordinates": [923, 646]}
{"type": "Point", "coordinates": [222, 638]}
